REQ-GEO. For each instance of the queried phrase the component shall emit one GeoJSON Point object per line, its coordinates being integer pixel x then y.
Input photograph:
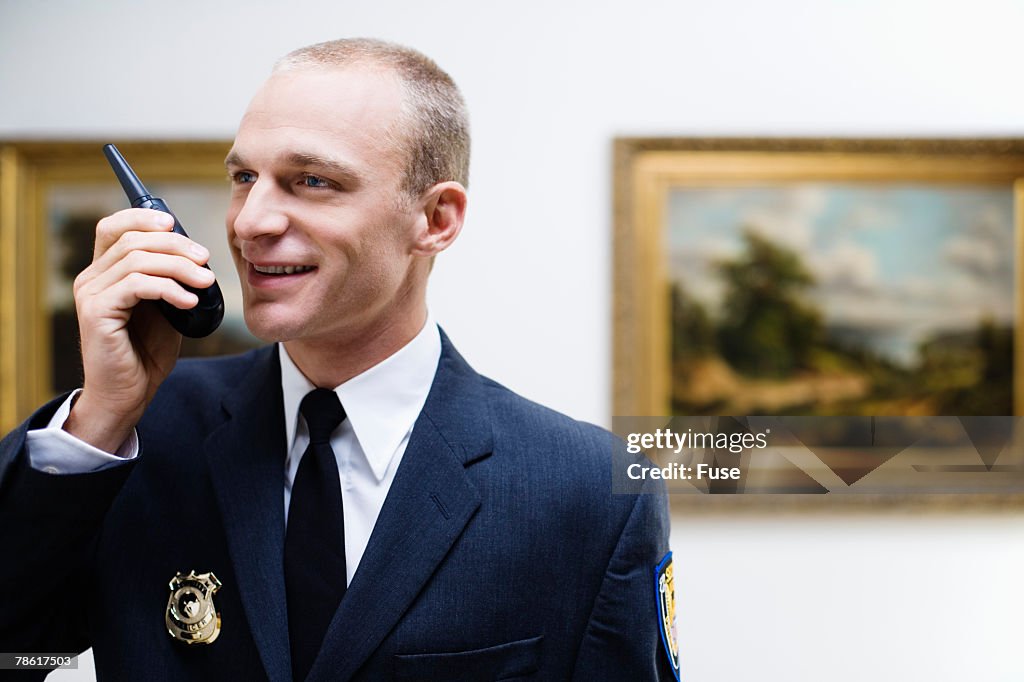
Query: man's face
{"type": "Point", "coordinates": [321, 234]}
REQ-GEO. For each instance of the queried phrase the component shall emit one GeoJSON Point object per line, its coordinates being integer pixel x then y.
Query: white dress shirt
{"type": "Point", "coordinates": [381, 404]}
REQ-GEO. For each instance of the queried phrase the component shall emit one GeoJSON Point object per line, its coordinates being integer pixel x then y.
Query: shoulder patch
{"type": "Point", "coordinates": [665, 594]}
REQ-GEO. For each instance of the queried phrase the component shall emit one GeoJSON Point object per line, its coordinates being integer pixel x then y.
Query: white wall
{"type": "Point", "coordinates": [526, 291]}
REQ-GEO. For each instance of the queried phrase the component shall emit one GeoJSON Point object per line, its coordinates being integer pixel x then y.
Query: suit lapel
{"type": "Point", "coordinates": [245, 457]}
{"type": "Point", "coordinates": [429, 505]}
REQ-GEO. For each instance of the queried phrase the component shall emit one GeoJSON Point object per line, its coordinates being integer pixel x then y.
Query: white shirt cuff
{"type": "Point", "coordinates": [55, 451]}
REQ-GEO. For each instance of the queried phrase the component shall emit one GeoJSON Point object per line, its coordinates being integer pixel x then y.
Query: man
{"type": "Point", "coordinates": [354, 502]}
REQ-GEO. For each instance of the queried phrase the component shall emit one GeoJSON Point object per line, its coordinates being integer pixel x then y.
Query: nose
{"type": "Point", "coordinates": [260, 213]}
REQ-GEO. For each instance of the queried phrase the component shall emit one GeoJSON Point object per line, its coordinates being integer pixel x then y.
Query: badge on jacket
{"type": "Point", "coordinates": [665, 593]}
{"type": "Point", "coordinates": [191, 614]}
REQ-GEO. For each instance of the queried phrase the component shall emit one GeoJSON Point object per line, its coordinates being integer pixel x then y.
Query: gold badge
{"type": "Point", "coordinates": [191, 615]}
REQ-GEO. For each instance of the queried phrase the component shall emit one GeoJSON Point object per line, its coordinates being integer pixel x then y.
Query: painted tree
{"type": "Point", "coordinates": [767, 328]}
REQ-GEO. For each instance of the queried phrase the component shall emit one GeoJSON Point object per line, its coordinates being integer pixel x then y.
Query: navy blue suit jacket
{"type": "Point", "coordinates": [500, 552]}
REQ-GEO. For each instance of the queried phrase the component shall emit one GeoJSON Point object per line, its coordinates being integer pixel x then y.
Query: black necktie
{"type": "Point", "coordinates": [314, 545]}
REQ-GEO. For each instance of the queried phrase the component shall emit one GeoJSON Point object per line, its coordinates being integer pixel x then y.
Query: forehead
{"type": "Point", "coordinates": [350, 112]}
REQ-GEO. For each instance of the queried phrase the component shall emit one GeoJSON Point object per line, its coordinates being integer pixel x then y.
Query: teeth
{"type": "Point", "coordinates": [281, 269]}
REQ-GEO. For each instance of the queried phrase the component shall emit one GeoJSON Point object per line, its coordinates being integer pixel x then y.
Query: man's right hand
{"type": "Point", "coordinates": [129, 349]}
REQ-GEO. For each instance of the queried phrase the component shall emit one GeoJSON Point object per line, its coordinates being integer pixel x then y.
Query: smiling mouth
{"type": "Point", "coordinates": [282, 269]}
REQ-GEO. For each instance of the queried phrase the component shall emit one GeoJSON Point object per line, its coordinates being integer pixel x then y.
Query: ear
{"type": "Point", "coordinates": [444, 209]}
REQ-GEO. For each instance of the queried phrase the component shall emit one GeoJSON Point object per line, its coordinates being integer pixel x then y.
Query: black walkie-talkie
{"type": "Point", "coordinates": [206, 316]}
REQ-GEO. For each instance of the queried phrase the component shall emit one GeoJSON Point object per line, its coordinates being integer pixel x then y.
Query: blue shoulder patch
{"type": "Point", "coordinates": [665, 593]}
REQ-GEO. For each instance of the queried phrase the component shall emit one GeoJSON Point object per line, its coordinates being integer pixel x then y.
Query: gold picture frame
{"type": "Point", "coordinates": [31, 174]}
{"type": "Point", "coordinates": [647, 169]}
{"type": "Point", "coordinates": [646, 173]}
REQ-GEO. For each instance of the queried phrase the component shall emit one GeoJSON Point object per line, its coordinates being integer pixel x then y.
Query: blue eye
{"type": "Point", "coordinates": [314, 181]}
{"type": "Point", "coordinates": [243, 177]}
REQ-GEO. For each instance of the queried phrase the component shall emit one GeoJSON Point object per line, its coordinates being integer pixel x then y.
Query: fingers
{"type": "Point", "coordinates": [136, 286]}
{"type": "Point", "coordinates": [110, 229]}
{"type": "Point", "coordinates": [113, 294]}
{"type": "Point", "coordinates": [137, 258]}
{"type": "Point", "coordinates": [150, 251]}
{"type": "Point", "coordinates": [128, 240]}
{"type": "Point", "coordinates": [150, 263]}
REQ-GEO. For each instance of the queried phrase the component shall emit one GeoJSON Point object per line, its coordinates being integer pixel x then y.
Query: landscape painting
{"type": "Point", "coordinates": [841, 298]}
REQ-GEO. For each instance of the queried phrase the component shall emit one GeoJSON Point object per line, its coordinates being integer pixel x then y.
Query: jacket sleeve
{"type": "Point", "coordinates": [623, 639]}
{"type": "Point", "coordinates": [48, 524]}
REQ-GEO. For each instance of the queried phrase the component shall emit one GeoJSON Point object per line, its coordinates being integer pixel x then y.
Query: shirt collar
{"type": "Point", "coordinates": [382, 403]}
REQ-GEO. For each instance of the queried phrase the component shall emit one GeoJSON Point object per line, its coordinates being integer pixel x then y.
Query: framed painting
{"type": "Point", "coordinates": [802, 278]}
{"type": "Point", "coordinates": [51, 196]}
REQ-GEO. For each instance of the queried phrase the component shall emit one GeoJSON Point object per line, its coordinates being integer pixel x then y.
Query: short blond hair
{"type": "Point", "coordinates": [434, 122]}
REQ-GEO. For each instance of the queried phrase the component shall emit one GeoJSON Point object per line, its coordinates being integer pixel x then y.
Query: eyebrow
{"type": "Point", "coordinates": [335, 169]}
{"type": "Point", "coordinates": [233, 159]}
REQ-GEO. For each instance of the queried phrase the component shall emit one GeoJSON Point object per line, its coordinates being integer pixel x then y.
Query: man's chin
{"type": "Point", "coordinates": [271, 328]}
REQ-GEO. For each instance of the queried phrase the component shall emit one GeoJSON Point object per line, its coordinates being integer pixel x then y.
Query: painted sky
{"type": "Point", "coordinates": [897, 262]}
